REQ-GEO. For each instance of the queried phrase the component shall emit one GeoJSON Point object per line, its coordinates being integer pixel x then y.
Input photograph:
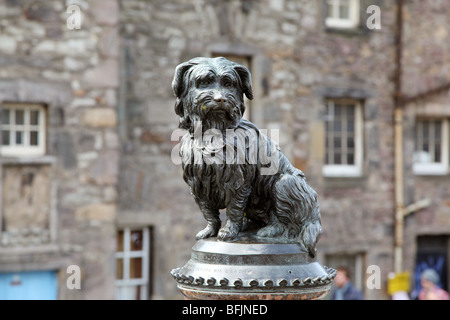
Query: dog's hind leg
{"type": "Point", "coordinates": [273, 229]}
{"type": "Point", "coordinates": [212, 216]}
{"type": "Point", "coordinates": [285, 216]}
{"type": "Point", "coordinates": [297, 210]}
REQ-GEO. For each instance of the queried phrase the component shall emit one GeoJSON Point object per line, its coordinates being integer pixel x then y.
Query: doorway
{"type": "Point", "coordinates": [432, 252]}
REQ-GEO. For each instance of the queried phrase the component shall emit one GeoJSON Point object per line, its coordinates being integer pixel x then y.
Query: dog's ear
{"type": "Point", "coordinates": [177, 82]}
{"type": "Point", "coordinates": [246, 80]}
{"type": "Point", "coordinates": [178, 86]}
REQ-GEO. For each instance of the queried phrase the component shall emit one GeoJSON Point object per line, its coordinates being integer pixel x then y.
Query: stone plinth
{"type": "Point", "coordinates": [250, 268]}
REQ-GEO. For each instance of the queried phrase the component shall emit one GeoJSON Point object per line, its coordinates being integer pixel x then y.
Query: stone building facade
{"type": "Point", "coordinates": [59, 206]}
{"type": "Point", "coordinates": [116, 204]}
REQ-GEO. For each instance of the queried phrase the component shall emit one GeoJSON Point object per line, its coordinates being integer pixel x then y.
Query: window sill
{"type": "Point", "coordinates": [337, 171]}
{"type": "Point", "coordinates": [331, 184]}
{"type": "Point", "coordinates": [430, 170]}
{"type": "Point", "coordinates": [17, 250]}
{"type": "Point", "coordinates": [354, 31]}
{"type": "Point", "coordinates": [431, 174]}
{"type": "Point", "coordinates": [45, 159]}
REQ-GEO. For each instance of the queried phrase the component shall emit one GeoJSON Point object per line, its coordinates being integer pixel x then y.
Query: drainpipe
{"type": "Point", "coordinates": [399, 195]}
{"type": "Point", "coordinates": [398, 145]}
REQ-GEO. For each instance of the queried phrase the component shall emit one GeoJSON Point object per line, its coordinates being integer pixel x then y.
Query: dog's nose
{"type": "Point", "coordinates": [220, 98]}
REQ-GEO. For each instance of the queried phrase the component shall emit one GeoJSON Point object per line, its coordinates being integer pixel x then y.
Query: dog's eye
{"type": "Point", "coordinates": [228, 84]}
{"type": "Point", "coordinates": [204, 82]}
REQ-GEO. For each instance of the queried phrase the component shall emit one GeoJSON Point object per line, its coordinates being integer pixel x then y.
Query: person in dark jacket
{"type": "Point", "coordinates": [345, 290]}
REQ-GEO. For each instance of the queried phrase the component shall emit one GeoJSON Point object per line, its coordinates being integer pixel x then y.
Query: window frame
{"type": "Point", "coordinates": [435, 168]}
{"type": "Point", "coordinates": [25, 149]}
{"type": "Point", "coordinates": [346, 170]}
{"type": "Point", "coordinates": [339, 23]}
{"type": "Point", "coordinates": [126, 255]}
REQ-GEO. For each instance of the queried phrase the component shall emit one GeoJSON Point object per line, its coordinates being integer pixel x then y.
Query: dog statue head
{"type": "Point", "coordinates": [211, 90]}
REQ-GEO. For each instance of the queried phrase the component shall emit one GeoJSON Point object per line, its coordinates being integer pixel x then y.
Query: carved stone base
{"type": "Point", "coordinates": [251, 268]}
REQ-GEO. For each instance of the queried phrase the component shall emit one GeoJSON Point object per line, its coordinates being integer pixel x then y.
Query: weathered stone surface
{"type": "Point", "coordinates": [9, 44]}
{"type": "Point", "coordinates": [64, 148]}
{"type": "Point", "coordinates": [26, 197]}
{"type": "Point", "coordinates": [97, 211]}
{"type": "Point", "coordinates": [106, 74]}
{"type": "Point", "coordinates": [104, 170]}
{"type": "Point", "coordinates": [99, 118]}
{"type": "Point", "coordinates": [109, 42]}
{"type": "Point", "coordinates": [74, 74]}
{"type": "Point", "coordinates": [40, 12]}
{"type": "Point", "coordinates": [105, 12]}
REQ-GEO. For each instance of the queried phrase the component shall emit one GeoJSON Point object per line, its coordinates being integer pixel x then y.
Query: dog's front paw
{"type": "Point", "coordinates": [208, 232]}
{"type": "Point", "coordinates": [229, 232]}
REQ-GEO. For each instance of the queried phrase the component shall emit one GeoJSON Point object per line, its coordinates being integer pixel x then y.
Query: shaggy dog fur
{"type": "Point", "coordinates": [210, 98]}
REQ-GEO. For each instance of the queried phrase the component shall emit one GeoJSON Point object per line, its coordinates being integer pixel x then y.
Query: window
{"type": "Point", "coordinates": [23, 130]}
{"type": "Point", "coordinates": [343, 139]}
{"type": "Point", "coordinates": [132, 264]}
{"type": "Point", "coordinates": [431, 152]}
{"type": "Point", "coordinates": [342, 14]}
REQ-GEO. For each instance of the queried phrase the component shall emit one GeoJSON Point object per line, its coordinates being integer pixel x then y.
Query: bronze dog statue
{"type": "Point", "coordinates": [229, 163]}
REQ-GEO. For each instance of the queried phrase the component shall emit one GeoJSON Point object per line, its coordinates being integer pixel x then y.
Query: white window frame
{"type": "Point", "coordinates": [126, 255]}
{"type": "Point", "coordinates": [25, 149]}
{"type": "Point", "coordinates": [437, 168]}
{"type": "Point", "coordinates": [335, 21]}
{"type": "Point", "coordinates": [345, 170]}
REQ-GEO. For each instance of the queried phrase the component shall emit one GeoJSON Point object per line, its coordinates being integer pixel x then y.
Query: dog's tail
{"type": "Point", "coordinates": [310, 235]}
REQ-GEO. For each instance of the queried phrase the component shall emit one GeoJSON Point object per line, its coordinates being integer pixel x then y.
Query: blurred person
{"type": "Point", "coordinates": [345, 290]}
{"type": "Point", "coordinates": [430, 286]}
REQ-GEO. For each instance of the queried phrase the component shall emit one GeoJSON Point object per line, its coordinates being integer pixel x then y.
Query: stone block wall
{"type": "Point", "coordinates": [74, 74]}
{"type": "Point", "coordinates": [426, 62]}
{"type": "Point", "coordinates": [107, 92]}
{"type": "Point", "coordinates": [296, 63]}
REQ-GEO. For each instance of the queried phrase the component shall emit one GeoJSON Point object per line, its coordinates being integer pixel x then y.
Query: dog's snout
{"type": "Point", "coordinates": [220, 98]}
